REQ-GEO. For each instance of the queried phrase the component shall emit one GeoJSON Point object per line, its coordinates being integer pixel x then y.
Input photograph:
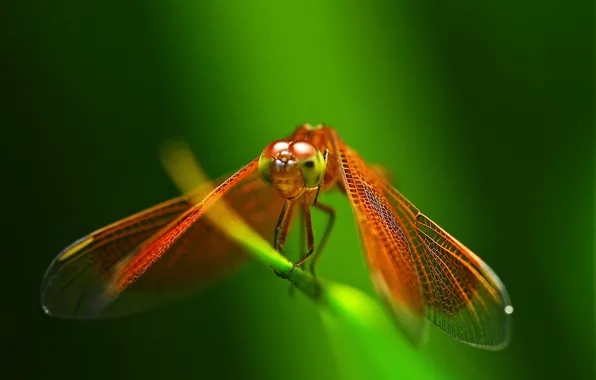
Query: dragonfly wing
{"type": "Point", "coordinates": [463, 295]}
{"type": "Point", "coordinates": [157, 255]}
{"type": "Point", "coordinates": [452, 287]}
{"type": "Point", "coordinates": [388, 244]}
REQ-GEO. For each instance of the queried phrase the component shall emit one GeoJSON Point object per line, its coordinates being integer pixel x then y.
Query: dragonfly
{"type": "Point", "coordinates": [420, 271]}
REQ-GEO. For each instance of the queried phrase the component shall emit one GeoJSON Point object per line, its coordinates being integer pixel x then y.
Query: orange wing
{"type": "Point", "coordinates": [157, 255]}
{"type": "Point", "coordinates": [420, 269]}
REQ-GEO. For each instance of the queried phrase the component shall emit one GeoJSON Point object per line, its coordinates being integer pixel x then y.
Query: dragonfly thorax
{"type": "Point", "coordinates": [292, 167]}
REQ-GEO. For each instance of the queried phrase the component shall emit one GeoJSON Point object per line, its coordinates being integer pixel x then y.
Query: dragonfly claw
{"type": "Point", "coordinates": [281, 275]}
{"type": "Point", "coordinates": [285, 276]}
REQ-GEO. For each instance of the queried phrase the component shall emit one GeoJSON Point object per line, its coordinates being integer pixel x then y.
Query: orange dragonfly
{"type": "Point", "coordinates": [421, 272]}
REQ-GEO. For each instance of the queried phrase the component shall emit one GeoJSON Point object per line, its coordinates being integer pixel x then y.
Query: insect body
{"type": "Point", "coordinates": [421, 272]}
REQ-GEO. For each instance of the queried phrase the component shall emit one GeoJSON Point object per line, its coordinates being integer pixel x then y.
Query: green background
{"type": "Point", "coordinates": [483, 112]}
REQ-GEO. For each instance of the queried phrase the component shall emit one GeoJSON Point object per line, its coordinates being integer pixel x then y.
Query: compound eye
{"type": "Point", "coordinates": [274, 148]}
{"type": "Point", "coordinates": [268, 156]}
{"type": "Point", "coordinates": [312, 163]}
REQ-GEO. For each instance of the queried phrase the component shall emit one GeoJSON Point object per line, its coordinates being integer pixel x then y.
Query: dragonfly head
{"type": "Point", "coordinates": [292, 167]}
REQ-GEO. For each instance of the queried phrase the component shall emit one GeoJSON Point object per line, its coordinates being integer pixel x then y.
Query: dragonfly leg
{"type": "Point", "coordinates": [281, 230]}
{"type": "Point", "coordinates": [309, 236]}
{"type": "Point", "coordinates": [302, 240]}
{"type": "Point", "coordinates": [302, 231]}
{"type": "Point", "coordinates": [283, 225]}
{"type": "Point", "coordinates": [331, 212]}
{"type": "Point", "coordinates": [310, 241]}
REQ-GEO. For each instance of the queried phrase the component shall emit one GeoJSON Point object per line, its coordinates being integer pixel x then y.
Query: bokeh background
{"type": "Point", "coordinates": [483, 111]}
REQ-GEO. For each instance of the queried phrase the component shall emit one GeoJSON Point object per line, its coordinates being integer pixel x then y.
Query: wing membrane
{"type": "Point", "coordinates": [157, 255]}
{"type": "Point", "coordinates": [419, 268]}
{"type": "Point", "coordinates": [388, 244]}
{"type": "Point", "coordinates": [472, 306]}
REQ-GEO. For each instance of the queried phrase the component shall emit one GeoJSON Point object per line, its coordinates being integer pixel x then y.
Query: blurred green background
{"type": "Point", "coordinates": [483, 112]}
